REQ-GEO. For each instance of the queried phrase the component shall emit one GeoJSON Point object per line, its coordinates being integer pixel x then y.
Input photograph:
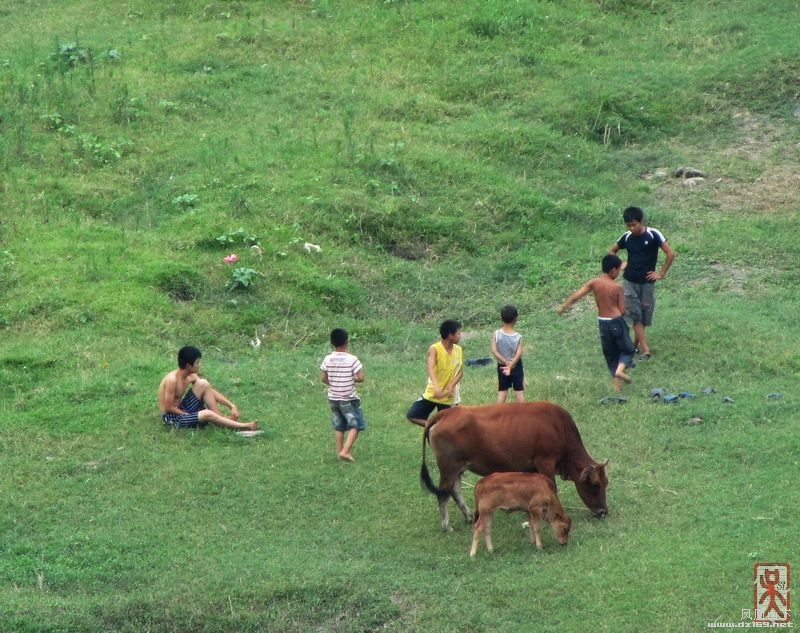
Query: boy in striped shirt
{"type": "Point", "coordinates": [340, 371]}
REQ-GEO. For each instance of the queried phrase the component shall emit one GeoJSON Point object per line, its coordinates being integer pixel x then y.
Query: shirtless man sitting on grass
{"type": "Point", "coordinates": [188, 401]}
{"type": "Point", "coordinates": [615, 339]}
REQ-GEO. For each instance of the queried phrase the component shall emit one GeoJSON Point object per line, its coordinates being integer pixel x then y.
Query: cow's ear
{"type": "Point", "coordinates": [585, 474]}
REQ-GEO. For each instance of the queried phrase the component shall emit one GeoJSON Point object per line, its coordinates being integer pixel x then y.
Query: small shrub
{"type": "Point", "coordinates": [167, 106]}
{"type": "Point", "coordinates": [180, 282]}
{"type": "Point", "coordinates": [186, 201]}
{"type": "Point", "coordinates": [53, 121]}
{"type": "Point", "coordinates": [127, 109]}
{"type": "Point", "coordinates": [242, 278]}
{"type": "Point", "coordinates": [100, 151]}
{"type": "Point", "coordinates": [239, 236]}
{"type": "Point", "coordinates": [70, 55]}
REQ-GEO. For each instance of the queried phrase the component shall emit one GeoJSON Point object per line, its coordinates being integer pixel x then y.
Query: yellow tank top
{"type": "Point", "coordinates": [447, 366]}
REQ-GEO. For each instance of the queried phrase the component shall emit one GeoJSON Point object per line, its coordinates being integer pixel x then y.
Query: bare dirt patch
{"type": "Point", "coordinates": [772, 184]}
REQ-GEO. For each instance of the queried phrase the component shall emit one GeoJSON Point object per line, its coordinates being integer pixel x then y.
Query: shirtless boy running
{"type": "Point", "coordinates": [615, 339]}
{"type": "Point", "coordinates": [188, 401]}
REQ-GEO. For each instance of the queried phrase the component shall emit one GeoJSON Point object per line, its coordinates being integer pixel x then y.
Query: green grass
{"type": "Point", "coordinates": [448, 158]}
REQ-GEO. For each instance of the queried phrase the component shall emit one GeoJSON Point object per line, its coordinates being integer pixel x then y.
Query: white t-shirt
{"type": "Point", "coordinates": [341, 368]}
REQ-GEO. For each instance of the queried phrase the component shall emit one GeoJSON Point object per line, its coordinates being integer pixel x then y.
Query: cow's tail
{"type": "Point", "coordinates": [424, 474]}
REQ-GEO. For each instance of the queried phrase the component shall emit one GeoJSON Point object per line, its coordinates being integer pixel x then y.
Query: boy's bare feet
{"type": "Point", "coordinates": [251, 426]}
{"type": "Point", "coordinates": [346, 457]}
{"type": "Point", "coordinates": [623, 376]}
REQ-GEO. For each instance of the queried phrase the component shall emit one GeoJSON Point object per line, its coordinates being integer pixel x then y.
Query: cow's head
{"type": "Point", "coordinates": [592, 486]}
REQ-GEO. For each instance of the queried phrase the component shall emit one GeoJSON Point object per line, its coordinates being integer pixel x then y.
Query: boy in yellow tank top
{"type": "Point", "coordinates": [445, 369]}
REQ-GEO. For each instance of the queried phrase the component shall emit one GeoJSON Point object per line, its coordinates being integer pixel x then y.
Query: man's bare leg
{"type": "Point", "coordinates": [206, 415]}
{"type": "Point", "coordinates": [212, 413]}
{"type": "Point", "coordinates": [639, 339]}
{"type": "Point", "coordinates": [203, 390]}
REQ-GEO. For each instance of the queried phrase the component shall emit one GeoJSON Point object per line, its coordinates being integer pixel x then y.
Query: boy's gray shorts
{"type": "Point", "coordinates": [640, 302]}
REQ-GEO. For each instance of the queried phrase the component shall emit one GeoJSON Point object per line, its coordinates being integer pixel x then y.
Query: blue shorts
{"type": "Point", "coordinates": [422, 408]}
{"type": "Point", "coordinates": [189, 420]}
{"type": "Point", "coordinates": [346, 414]}
{"type": "Point", "coordinates": [515, 379]}
{"type": "Point", "coordinates": [616, 343]}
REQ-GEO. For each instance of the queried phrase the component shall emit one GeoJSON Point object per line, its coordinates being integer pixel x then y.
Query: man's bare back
{"type": "Point", "coordinates": [609, 297]}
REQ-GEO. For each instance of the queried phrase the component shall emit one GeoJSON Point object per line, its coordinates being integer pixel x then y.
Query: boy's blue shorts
{"type": "Point", "coordinates": [347, 414]}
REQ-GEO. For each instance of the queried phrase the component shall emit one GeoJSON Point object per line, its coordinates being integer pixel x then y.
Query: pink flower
{"type": "Point", "coordinates": [231, 259]}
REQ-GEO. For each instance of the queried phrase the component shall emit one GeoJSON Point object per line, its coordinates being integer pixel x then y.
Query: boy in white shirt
{"type": "Point", "coordinates": [340, 371]}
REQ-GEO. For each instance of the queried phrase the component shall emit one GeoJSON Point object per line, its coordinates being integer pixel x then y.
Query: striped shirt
{"type": "Point", "coordinates": [341, 368]}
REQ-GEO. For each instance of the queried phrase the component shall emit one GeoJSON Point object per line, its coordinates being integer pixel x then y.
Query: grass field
{"type": "Point", "coordinates": [447, 158]}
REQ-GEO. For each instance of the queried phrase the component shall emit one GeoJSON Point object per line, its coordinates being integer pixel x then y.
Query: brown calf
{"type": "Point", "coordinates": [532, 492]}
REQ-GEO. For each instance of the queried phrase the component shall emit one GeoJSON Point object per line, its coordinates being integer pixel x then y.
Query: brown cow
{"type": "Point", "coordinates": [519, 437]}
{"type": "Point", "coordinates": [532, 492]}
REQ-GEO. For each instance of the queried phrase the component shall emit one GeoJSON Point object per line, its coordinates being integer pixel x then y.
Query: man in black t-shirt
{"type": "Point", "coordinates": [639, 276]}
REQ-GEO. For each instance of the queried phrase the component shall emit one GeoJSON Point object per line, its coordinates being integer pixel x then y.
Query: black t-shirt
{"type": "Point", "coordinates": [642, 253]}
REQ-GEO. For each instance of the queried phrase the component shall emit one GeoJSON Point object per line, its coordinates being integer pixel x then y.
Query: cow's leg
{"type": "Point", "coordinates": [456, 493]}
{"type": "Point", "coordinates": [487, 530]}
{"type": "Point", "coordinates": [444, 515]}
{"type": "Point", "coordinates": [534, 515]}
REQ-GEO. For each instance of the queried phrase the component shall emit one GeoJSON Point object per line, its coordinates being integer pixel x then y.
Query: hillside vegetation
{"type": "Point", "coordinates": [446, 158]}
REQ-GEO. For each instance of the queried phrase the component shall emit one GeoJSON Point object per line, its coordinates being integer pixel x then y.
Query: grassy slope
{"type": "Point", "coordinates": [448, 158]}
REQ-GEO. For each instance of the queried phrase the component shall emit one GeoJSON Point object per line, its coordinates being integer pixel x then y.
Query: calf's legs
{"type": "Point", "coordinates": [482, 525]}
{"type": "Point", "coordinates": [534, 515]}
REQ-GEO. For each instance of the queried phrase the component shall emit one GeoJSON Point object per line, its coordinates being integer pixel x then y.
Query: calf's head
{"type": "Point", "coordinates": [591, 486]}
{"type": "Point", "coordinates": [560, 522]}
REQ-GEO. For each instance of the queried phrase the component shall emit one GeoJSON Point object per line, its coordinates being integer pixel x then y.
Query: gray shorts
{"type": "Point", "coordinates": [347, 414]}
{"type": "Point", "coordinates": [640, 302]}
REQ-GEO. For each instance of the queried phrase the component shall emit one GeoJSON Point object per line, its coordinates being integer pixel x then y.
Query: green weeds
{"type": "Point", "coordinates": [242, 278]}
